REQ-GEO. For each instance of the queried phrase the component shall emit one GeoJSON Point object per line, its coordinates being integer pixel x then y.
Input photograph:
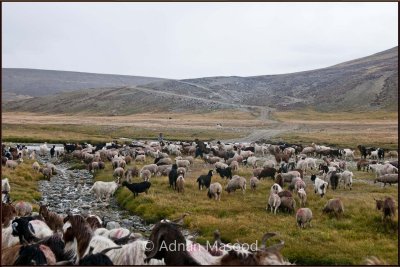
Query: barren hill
{"type": "Point", "coordinates": [367, 83]}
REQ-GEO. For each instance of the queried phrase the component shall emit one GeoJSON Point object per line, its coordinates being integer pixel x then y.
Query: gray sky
{"type": "Point", "coordinates": [187, 40]}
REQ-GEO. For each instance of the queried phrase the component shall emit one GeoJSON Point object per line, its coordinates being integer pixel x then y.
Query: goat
{"type": "Point", "coordinates": [205, 180]}
{"type": "Point", "coordinates": [173, 176]}
{"type": "Point", "coordinates": [387, 206]}
{"type": "Point", "coordinates": [334, 206]}
{"type": "Point", "coordinates": [52, 219]}
{"type": "Point", "coordinates": [137, 188]}
{"type": "Point", "coordinates": [104, 189]}
{"type": "Point", "coordinates": [227, 172]}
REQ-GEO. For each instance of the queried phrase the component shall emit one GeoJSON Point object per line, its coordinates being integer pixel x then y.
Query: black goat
{"type": "Point", "coordinates": [35, 254]}
{"type": "Point", "coordinates": [137, 188]}
{"type": "Point", "coordinates": [205, 180]}
{"type": "Point", "coordinates": [172, 176]}
{"type": "Point", "coordinates": [24, 230]}
{"type": "Point", "coordinates": [98, 259]}
{"type": "Point", "coordinates": [227, 172]}
{"type": "Point", "coordinates": [334, 179]}
{"type": "Point", "coordinates": [69, 147]}
{"type": "Point", "coordinates": [267, 172]}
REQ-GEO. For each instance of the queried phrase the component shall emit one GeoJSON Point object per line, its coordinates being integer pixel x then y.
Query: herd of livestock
{"type": "Point", "coordinates": [49, 238]}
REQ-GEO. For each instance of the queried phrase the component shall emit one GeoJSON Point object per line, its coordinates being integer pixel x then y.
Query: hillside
{"type": "Point", "coordinates": [35, 82]}
{"type": "Point", "coordinates": [369, 83]}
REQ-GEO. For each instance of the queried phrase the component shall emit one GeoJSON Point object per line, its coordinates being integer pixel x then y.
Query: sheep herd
{"type": "Point", "coordinates": [74, 239]}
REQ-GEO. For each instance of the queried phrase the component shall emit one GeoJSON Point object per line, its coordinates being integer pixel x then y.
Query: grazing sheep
{"type": "Point", "coordinates": [287, 204]}
{"type": "Point", "coordinates": [220, 165]}
{"type": "Point", "coordinates": [163, 161]}
{"type": "Point", "coordinates": [257, 171]}
{"type": "Point", "coordinates": [237, 182]}
{"type": "Point", "coordinates": [392, 154]}
{"type": "Point", "coordinates": [119, 172]}
{"type": "Point", "coordinates": [387, 206]}
{"type": "Point", "coordinates": [130, 173]}
{"type": "Point", "coordinates": [47, 172]}
{"type": "Point", "coordinates": [253, 183]}
{"type": "Point", "coordinates": [205, 180]}
{"type": "Point", "coordinates": [274, 201]}
{"type": "Point", "coordinates": [180, 184]}
{"type": "Point", "coordinates": [145, 175]}
{"type": "Point", "coordinates": [335, 206]}
{"type": "Point", "coordinates": [36, 166]}
{"type": "Point", "coordinates": [285, 193]}
{"type": "Point", "coordinates": [302, 196]}
{"type": "Point", "coordinates": [11, 164]}
{"type": "Point", "coordinates": [151, 167]}
{"type": "Point", "coordinates": [164, 170]}
{"type": "Point", "coordinates": [215, 191]}
{"type": "Point", "coordinates": [234, 165]}
{"type": "Point", "coordinates": [140, 158]}
{"type": "Point", "coordinates": [183, 163]}
{"type": "Point", "coordinates": [269, 164]}
{"type": "Point", "coordinates": [276, 188]}
{"type": "Point", "coordinates": [303, 216]}
{"type": "Point", "coordinates": [181, 171]}
{"type": "Point", "coordinates": [388, 179]}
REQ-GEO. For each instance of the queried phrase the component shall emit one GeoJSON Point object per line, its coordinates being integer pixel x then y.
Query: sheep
{"type": "Point", "coordinates": [234, 165]}
{"type": "Point", "coordinates": [119, 172]}
{"type": "Point", "coordinates": [43, 149]}
{"type": "Point", "coordinates": [93, 166]}
{"type": "Point", "coordinates": [104, 189]}
{"type": "Point", "coordinates": [140, 158]}
{"type": "Point", "coordinates": [205, 180]}
{"type": "Point", "coordinates": [288, 177]}
{"type": "Point", "coordinates": [227, 172]}
{"type": "Point", "coordinates": [387, 206]}
{"type": "Point", "coordinates": [303, 216]}
{"type": "Point", "coordinates": [287, 204]}
{"type": "Point", "coordinates": [393, 154]}
{"type": "Point", "coordinates": [252, 161]}
{"type": "Point", "coordinates": [212, 160]}
{"type": "Point", "coordinates": [180, 184]}
{"type": "Point", "coordinates": [145, 175]}
{"type": "Point", "coordinates": [348, 153]}
{"type": "Point", "coordinates": [183, 163]}
{"type": "Point", "coordinates": [181, 171]}
{"type": "Point", "coordinates": [269, 164]}
{"type": "Point", "coordinates": [220, 165]}
{"type": "Point", "coordinates": [347, 178]}
{"type": "Point", "coordinates": [173, 176]}
{"type": "Point", "coordinates": [319, 185]}
{"type": "Point", "coordinates": [36, 166]}
{"type": "Point", "coordinates": [253, 183]}
{"type": "Point", "coordinates": [215, 191]}
{"type": "Point", "coordinates": [274, 201]}
{"type": "Point", "coordinates": [47, 172]}
{"type": "Point", "coordinates": [388, 179]}
{"type": "Point", "coordinates": [297, 183]}
{"type": "Point", "coordinates": [137, 188]}
{"type": "Point", "coordinates": [151, 167]}
{"type": "Point", "coordinates": [23, 208]}
{"type": "Point", "coordinates": [52, 219]}
{"type": "Point", "coordinates": [302, 196]}
{"type": "Point", "coordinates": [163, 161]}
{"type": "Point", "coordinates": [131, 172]}
{"type": "Point", "coordinates": [164, 170]}
{"type": "Point", "coordinates": [237, 182]}
{"type": "Point", "coordinates": [11, 164]}
{"type": "Point", "coordinates": [257, 171]}
{"type": "Point", "coordinates": [276, 188]}
{"type": "Point", "coordinates": [335, 206]}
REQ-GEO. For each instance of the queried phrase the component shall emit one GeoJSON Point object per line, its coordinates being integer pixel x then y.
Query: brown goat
{"type": "Point", "coordinates": [334, 206]}
{"type": "Point", "coordinates": [10, 255]}
{"type": "Point", "coordinates": [77, 227]}
{"type": "Point", "coordinates": [387, 206]}
{"type": "Point", "coordinates": [52, 219]}
{"type": "Point", "coordinates": [94, 222]}
{"type": "Point", "coordinates": [8, 213]}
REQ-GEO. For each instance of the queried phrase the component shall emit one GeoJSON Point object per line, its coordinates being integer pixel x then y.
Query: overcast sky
{"type": "Point", "coordinates": [187, 40]}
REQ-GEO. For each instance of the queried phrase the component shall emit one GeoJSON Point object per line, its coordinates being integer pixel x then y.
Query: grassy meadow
{"type": "Point", "coordinates": [358, 234]}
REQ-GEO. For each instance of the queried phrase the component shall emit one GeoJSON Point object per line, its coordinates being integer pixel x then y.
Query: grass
{"type": "Point", "coordinates": [23, 182]}
{"type": "Point", "coordinates": [357, 235]}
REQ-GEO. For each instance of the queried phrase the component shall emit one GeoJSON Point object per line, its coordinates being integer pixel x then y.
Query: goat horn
{"type": "Point", "coordinates": [108, 249]}
{"type": "Point", "coordinates": [264, 239]}
{"type": "Point", "coordinates": [276, 246]}
{"type": "Point", "coordinates": [122, 239]}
